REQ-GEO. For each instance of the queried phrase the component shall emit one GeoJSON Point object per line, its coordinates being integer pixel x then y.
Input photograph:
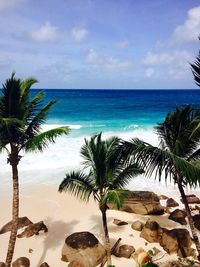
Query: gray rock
{"type": "Point", "coordinates": [125, 251]}
{"type": "Point", "coordinates": [172, 203]}
{"type": "Point", "coordinates": [137, 225]}
{"type": "Point", "coordinates": [119, 222]}
{"type": "Point", "coordinates": [21, 262]}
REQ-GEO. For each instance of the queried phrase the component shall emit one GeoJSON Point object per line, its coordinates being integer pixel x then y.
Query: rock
{"type": "Point", "coordinates": [44, 264]}
{"type": "Point", "coordinates": [196, 219]}
{"type": "Point", "coordinates": [163, 197]}
{"type": "Point", "coordinates": [192, 199]}
{"type": "Point", "coordinates": [125, 251]}
{"type": "Point", "coordinates": [21, 262]}
{"type": "Point", "coordinates": [142, 202]}
{"type": "Point", "coordinates": [137, 225]}
{"type": "Point", "coordinates": [156, 251]}
{"type": "Point", "coordinates": [75, 264]}
{"type": "Point", "coordinates": [2, 264]}
{"type": "Point", "coordinates": [177, 241]}
{"type": "Point", "coordinates": [172, 203]}
{"type": "Point", "coordinates": [178, 216]}
{"type": "Point", "coordinates": [151, 231]}
{"type": "Point", "coordinates": [119, 222]}
{"type": "Point", "coordinates": [33, 229]}
{"type": "Point", "coordinates": [83, 248]}
{"type": "Point", "coordinates": [140, 256]}
{"type": "Point", "coordinates": [30, 250]}
{"type": "Point", "coordinates": [22, 222]}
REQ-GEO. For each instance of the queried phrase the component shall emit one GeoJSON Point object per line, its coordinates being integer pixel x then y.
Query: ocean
{"type": "Point", "coordinates": [123, 113]}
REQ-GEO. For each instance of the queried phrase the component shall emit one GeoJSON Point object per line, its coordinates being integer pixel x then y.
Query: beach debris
{"type": "Point", "coordinates": [44, 264]}
{"type": "Point", "coordinates": [119, 222]}
{"type": "Point", "coordinates": [192, 199]}
{"type": "Point", "coordinates": [21, 262]}
{"type": "Point", "coordinates": [83, 248]}
{"type": "Point", "coordinates": [137, 225]}
{"type": "Point", "coordinates": [2, 264]}
{"type": "Point", "coordinates": [140, 256]}
{"type": "Point", "coordinates": [30, 250]}
{"type": "Point", "coordinates": [171, 203]}
{"type": "Point", "coordinates": [178, 216]}
{"type": "Point", "coordinates": [163, 197]}
{"type": "Point", "coordinates": [33, 229]}
{"type": "Point", "coordinates": [151, 231]}
{"type": "Point", "coordinates": [22, 222]}
{"type": "Point", "coordinates": [141, 202]}
{"type": "Point", "coordinates": [124, 251]}
{"type": "Point", "coordinates": [156, 251]}
{"type": "Point", "coordinates": [196, 219]}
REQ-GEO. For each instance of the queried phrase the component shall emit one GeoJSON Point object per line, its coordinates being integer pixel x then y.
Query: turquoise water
{"type": "Point", "coordinates": [115, 110]}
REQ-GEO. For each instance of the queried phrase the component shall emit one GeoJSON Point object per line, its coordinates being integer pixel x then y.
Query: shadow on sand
{"type": "Point", "coordinates": [55, 237]}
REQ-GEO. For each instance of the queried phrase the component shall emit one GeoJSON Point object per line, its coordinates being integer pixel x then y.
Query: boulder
{"type": "Point", "coordinates": [151, 231]}
{"type": "Point", "coordinates": [196, 219]}
{"type": "Point", "coordinates": [137, 225]}
{"type": "Point", "coordinates": [83, 248]}
{"type": "Point", "coordinates": [22, 222]}
{"type": "Point", "coordinates": [177, 241]}
{"type": "Point", "coordinates": [178, 216]}
{"type": "Point", "coordinates": [44, 264]}
{"type": "Point", "coordinates": [75, 264]}
{"type": "Point", "coordinates": [192, 199]}
{"type": "Point", "coordinates": [33, 229]}
{"type": "Point", "coordinates": [140, 256]}
{"type": "Point", "coordinates": [171, 203]}
{"type": "Point", "coordinates": [119, 222]}
{"type": "Point", "coordinates": [21, 262]}
{"type": "Point", "coordinates": [2, 264]}
{"type": "Point", "coordinates": [141, 202]}
{"type": "Point", "coordinates": [124, 251]}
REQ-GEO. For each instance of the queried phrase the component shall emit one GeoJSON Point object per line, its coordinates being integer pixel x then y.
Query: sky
{"type": "Point", "coordinates": [95, 44]}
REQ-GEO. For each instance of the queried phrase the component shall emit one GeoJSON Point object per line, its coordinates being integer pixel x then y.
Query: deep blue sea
{"type": "Point", "coordinates": [115, 110]}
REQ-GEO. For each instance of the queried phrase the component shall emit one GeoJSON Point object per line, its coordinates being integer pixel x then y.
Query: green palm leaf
{"type": "Point", "coordinates": [115, 197]}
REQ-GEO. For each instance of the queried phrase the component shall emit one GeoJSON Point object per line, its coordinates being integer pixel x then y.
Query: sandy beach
{"type": "Point", "coordinates": [64, 215]}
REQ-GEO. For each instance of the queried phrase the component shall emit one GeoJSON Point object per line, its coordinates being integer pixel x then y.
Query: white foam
{"type": "Point", "coordinates": [47, 127]}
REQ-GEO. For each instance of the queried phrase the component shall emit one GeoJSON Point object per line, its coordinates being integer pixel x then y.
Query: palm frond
{"type": "Point", "coordinates": [196, 70]}
{"type": "Point", "coordinates": [115, 197]}
{"type": "Point", "coordinates": [78, 184]}
{"type": "Point", "coordinates": [159, 161]}
{"type": "Point", "coordinates": [41, 141]}
{"type": "Point", "coordinates": [25, 86]}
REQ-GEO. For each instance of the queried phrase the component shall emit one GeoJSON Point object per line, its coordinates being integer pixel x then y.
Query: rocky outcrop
{"type": "Point", "coordinates": [137, 225]}
{"type": "Point", "coordinates": [177, 241]}
{"type": "Point", "coordinates": [163, 197]}
{"type": "Point", "coordinates": [75, 264]}
{"type": "Point", "coordinates": [178, 216]}
{"type": "Point", "coordinates": [2, 264]}
{"type": "Point", "coordinates": [171, 203]}
{"type": "Point", "coordinates": [119, 222]}
{"type": "Point", "coordinates": [142, 202]}
{"type": "Point", "coordinates": [124, 251]}
{"type": "Point", "coordinates": [196, 219]}
{"type": "Point", "coordinates": [173, 241]}
{"type": "Point", "coordinates": [151, 231]}
{"type": "Point", "coordinates": [22, 222]}
{"type": "Point", "coordinates": [83, 248]}
{"type": "Point", "coordinates": [192, 199]}
{"type": "Point", "coordinates": [33, 229]}
{"type": "Point", "coordinates": [21, 262]}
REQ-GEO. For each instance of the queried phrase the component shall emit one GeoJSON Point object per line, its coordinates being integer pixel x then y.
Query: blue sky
{"type": "Point", "coordinates": [100, 43]}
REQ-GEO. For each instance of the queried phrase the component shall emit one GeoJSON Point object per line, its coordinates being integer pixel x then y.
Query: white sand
{"type": "Point", "coordinates": [63, 215]}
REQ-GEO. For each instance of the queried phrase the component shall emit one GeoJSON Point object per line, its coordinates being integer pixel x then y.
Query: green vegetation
{"type": "Point", "coordinates": [179, 146]}
{"type": "Point", "coordinates": [107, 174]}
{"type": "Point", "coordinates": [21, 119]}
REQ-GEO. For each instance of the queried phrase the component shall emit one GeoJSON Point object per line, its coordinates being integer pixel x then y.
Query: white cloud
{"type": "Point", "coordinates": [123, 44]}
{"type": "Point", "coordinates": [190, 30]}
{"type": "Point", "coordinates": [47, 32]}
{"type": "Point", "coordinates": [7, 4]}
{"type": "Point", "coordinates": [149, 72]}
{"type": "Point", "coordinates": [79, 33]}
{"type": "Point", "coordinates": [107, 62]}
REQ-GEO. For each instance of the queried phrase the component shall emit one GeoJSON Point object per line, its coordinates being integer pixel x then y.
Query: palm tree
{"type": "Point", "coordinates": [196, 69]}
{"type": "Point", "coordinates": [21, 119]}
{"type": "Point", "coordinates": [179, 147]}
{"type": "Point", "coordinates": [107, 174]}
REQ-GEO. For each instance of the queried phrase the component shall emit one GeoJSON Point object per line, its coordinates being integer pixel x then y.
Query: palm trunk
{"type": "Point", "coordinates": [107, 239]}
{"type": "Point", "coordinates": [15, 210]}
{"type": "Point", "coordinates": [190, 219]}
